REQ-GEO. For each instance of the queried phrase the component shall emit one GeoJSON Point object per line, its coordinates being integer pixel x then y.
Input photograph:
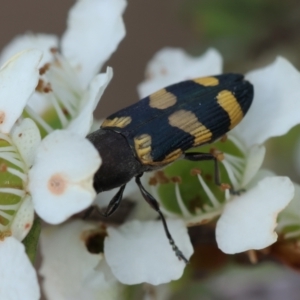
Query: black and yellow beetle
{"type": "Point", "coordinates": [158, 129]}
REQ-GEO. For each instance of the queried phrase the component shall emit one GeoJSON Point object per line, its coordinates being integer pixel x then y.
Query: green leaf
{"type": "Point", "coordinates": [32, 239]}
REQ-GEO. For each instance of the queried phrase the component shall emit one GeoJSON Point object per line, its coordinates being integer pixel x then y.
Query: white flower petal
{"type": "Point", "coordinates": [291, 214]}
{"type": "Point", "coordinates": [23, 219]}
{"type": "Point", "coordinates": [275, 107]}
{"type": "Point", "coordinates": [254, 160]}
{"type": "Point", "coordinates": [83, 122]}
{"type": "Point", "coordinates": [18, 277]}
{"type": "Point", "coordinates": [140, 252]}
{"type": "Point", "coordinates": [18, 79]}
{"type": "Point", "coordinates": [249, 220]}
{"type": "Point", "coordinates": [260, 175]}
{"type": "Point", "coordinates": [61, 179]}
{"type": "Point", "coordinates": [71, 274]}
{"type": "Point", "coordinates": [172, 65]}
{"type": "Point", "coordinates": [95, 125]}
{"type": "Point", "coordinates": [26, 137]}
{"type": "Point", "coordinates": [95, 28]}
{"type": "Point", "coordinates": [43, 42]}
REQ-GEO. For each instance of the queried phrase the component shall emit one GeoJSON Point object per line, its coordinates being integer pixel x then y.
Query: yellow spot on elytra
{"type": "Point", "coordinates": [142, 145]}
{"type": "Point", "coordinates": [207, 81]}
{"type": "Point", "coordinates": [120, 122]}
{"type": "Point", "coordinates": [57, 184]}
{"type": "Point", "coordinates": [230, 104]}
{"type": "Point", "coordinates": [188, 122]}
{"type": "Point", "coordinates": [162, 99]}
{"type": "Point", "coordinates": [172, 156]}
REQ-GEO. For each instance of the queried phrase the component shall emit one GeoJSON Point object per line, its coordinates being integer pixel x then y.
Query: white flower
{"type": "Point", "coordinates": [85, 271]}
{"type": "Point", "coordinates": [47, 170]}
{"type": "Point", "coordinates": [18, 78]}
{"type": "Point", "coordinates": [50, 171]}
{"type": "Point", "coordinates": [248, 220]}
{"type": "Point", "coordinates": [145, 256]}
{"type": "Point", "coordinates": [18, 277]}
{"type": "Point", "coordinates": [69, 84]}
{"type": "Point", "coordinates": [24, 148]}
{"type": "Point", "coordinates": [240, 229]}
{"type": "Point", "coordinates": [140, 252]}
{"type": "Point", "coordinates": [171, 65]}
{"type": "Point", "coordinates": [61, 179]}
{"type": "Point", "coordinates": [145, 250]}
{"type": "Point", "coordinates": [80, 272]}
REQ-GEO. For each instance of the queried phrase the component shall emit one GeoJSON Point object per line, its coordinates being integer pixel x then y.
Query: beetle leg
{"type": "Point", "coordinates": [112, 206]}
{"type": "Point", "coordinates": [155, 205]}
{"type": "Point", "coordinates": [114, 202]}
{"type": "Point", "coordinates": [198, 156]}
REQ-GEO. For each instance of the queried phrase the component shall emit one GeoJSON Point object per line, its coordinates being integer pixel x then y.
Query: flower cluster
{"type": "Point", "coordinates": [39, 174]}
{"type": "Point", "coordinates": [48, 94]}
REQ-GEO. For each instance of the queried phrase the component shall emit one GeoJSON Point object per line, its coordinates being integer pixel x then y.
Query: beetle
{"type": "Point", "coordinates": [160, 128]}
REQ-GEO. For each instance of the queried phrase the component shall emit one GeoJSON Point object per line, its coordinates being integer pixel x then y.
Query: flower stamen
{"type": "Point", "coordinates": [234, 166]}
{"type": "Point", "coordinates": [39, 120]}
{"type": "Point", "coordinates": [185, 212]}
{"type": "Point", "coordinates": [7, 149]}
{"type": "Point", "coordinates": [13, 191]}
{"type": "Point", "coordinates": [12, 159]}
{"type": "Point", "coordinates": [17, 173]}
{"type": "Point", "coordinates": [61, 116]}
{"type": "Point", "coordinates": [215, 203]}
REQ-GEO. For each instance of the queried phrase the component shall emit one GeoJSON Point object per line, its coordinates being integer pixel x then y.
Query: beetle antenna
{"type": "Point", "coordinates": [155, 205]}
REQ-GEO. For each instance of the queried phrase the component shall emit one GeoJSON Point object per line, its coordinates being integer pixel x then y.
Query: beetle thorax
{"type": "Point", "coordinates": [119, 164]}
